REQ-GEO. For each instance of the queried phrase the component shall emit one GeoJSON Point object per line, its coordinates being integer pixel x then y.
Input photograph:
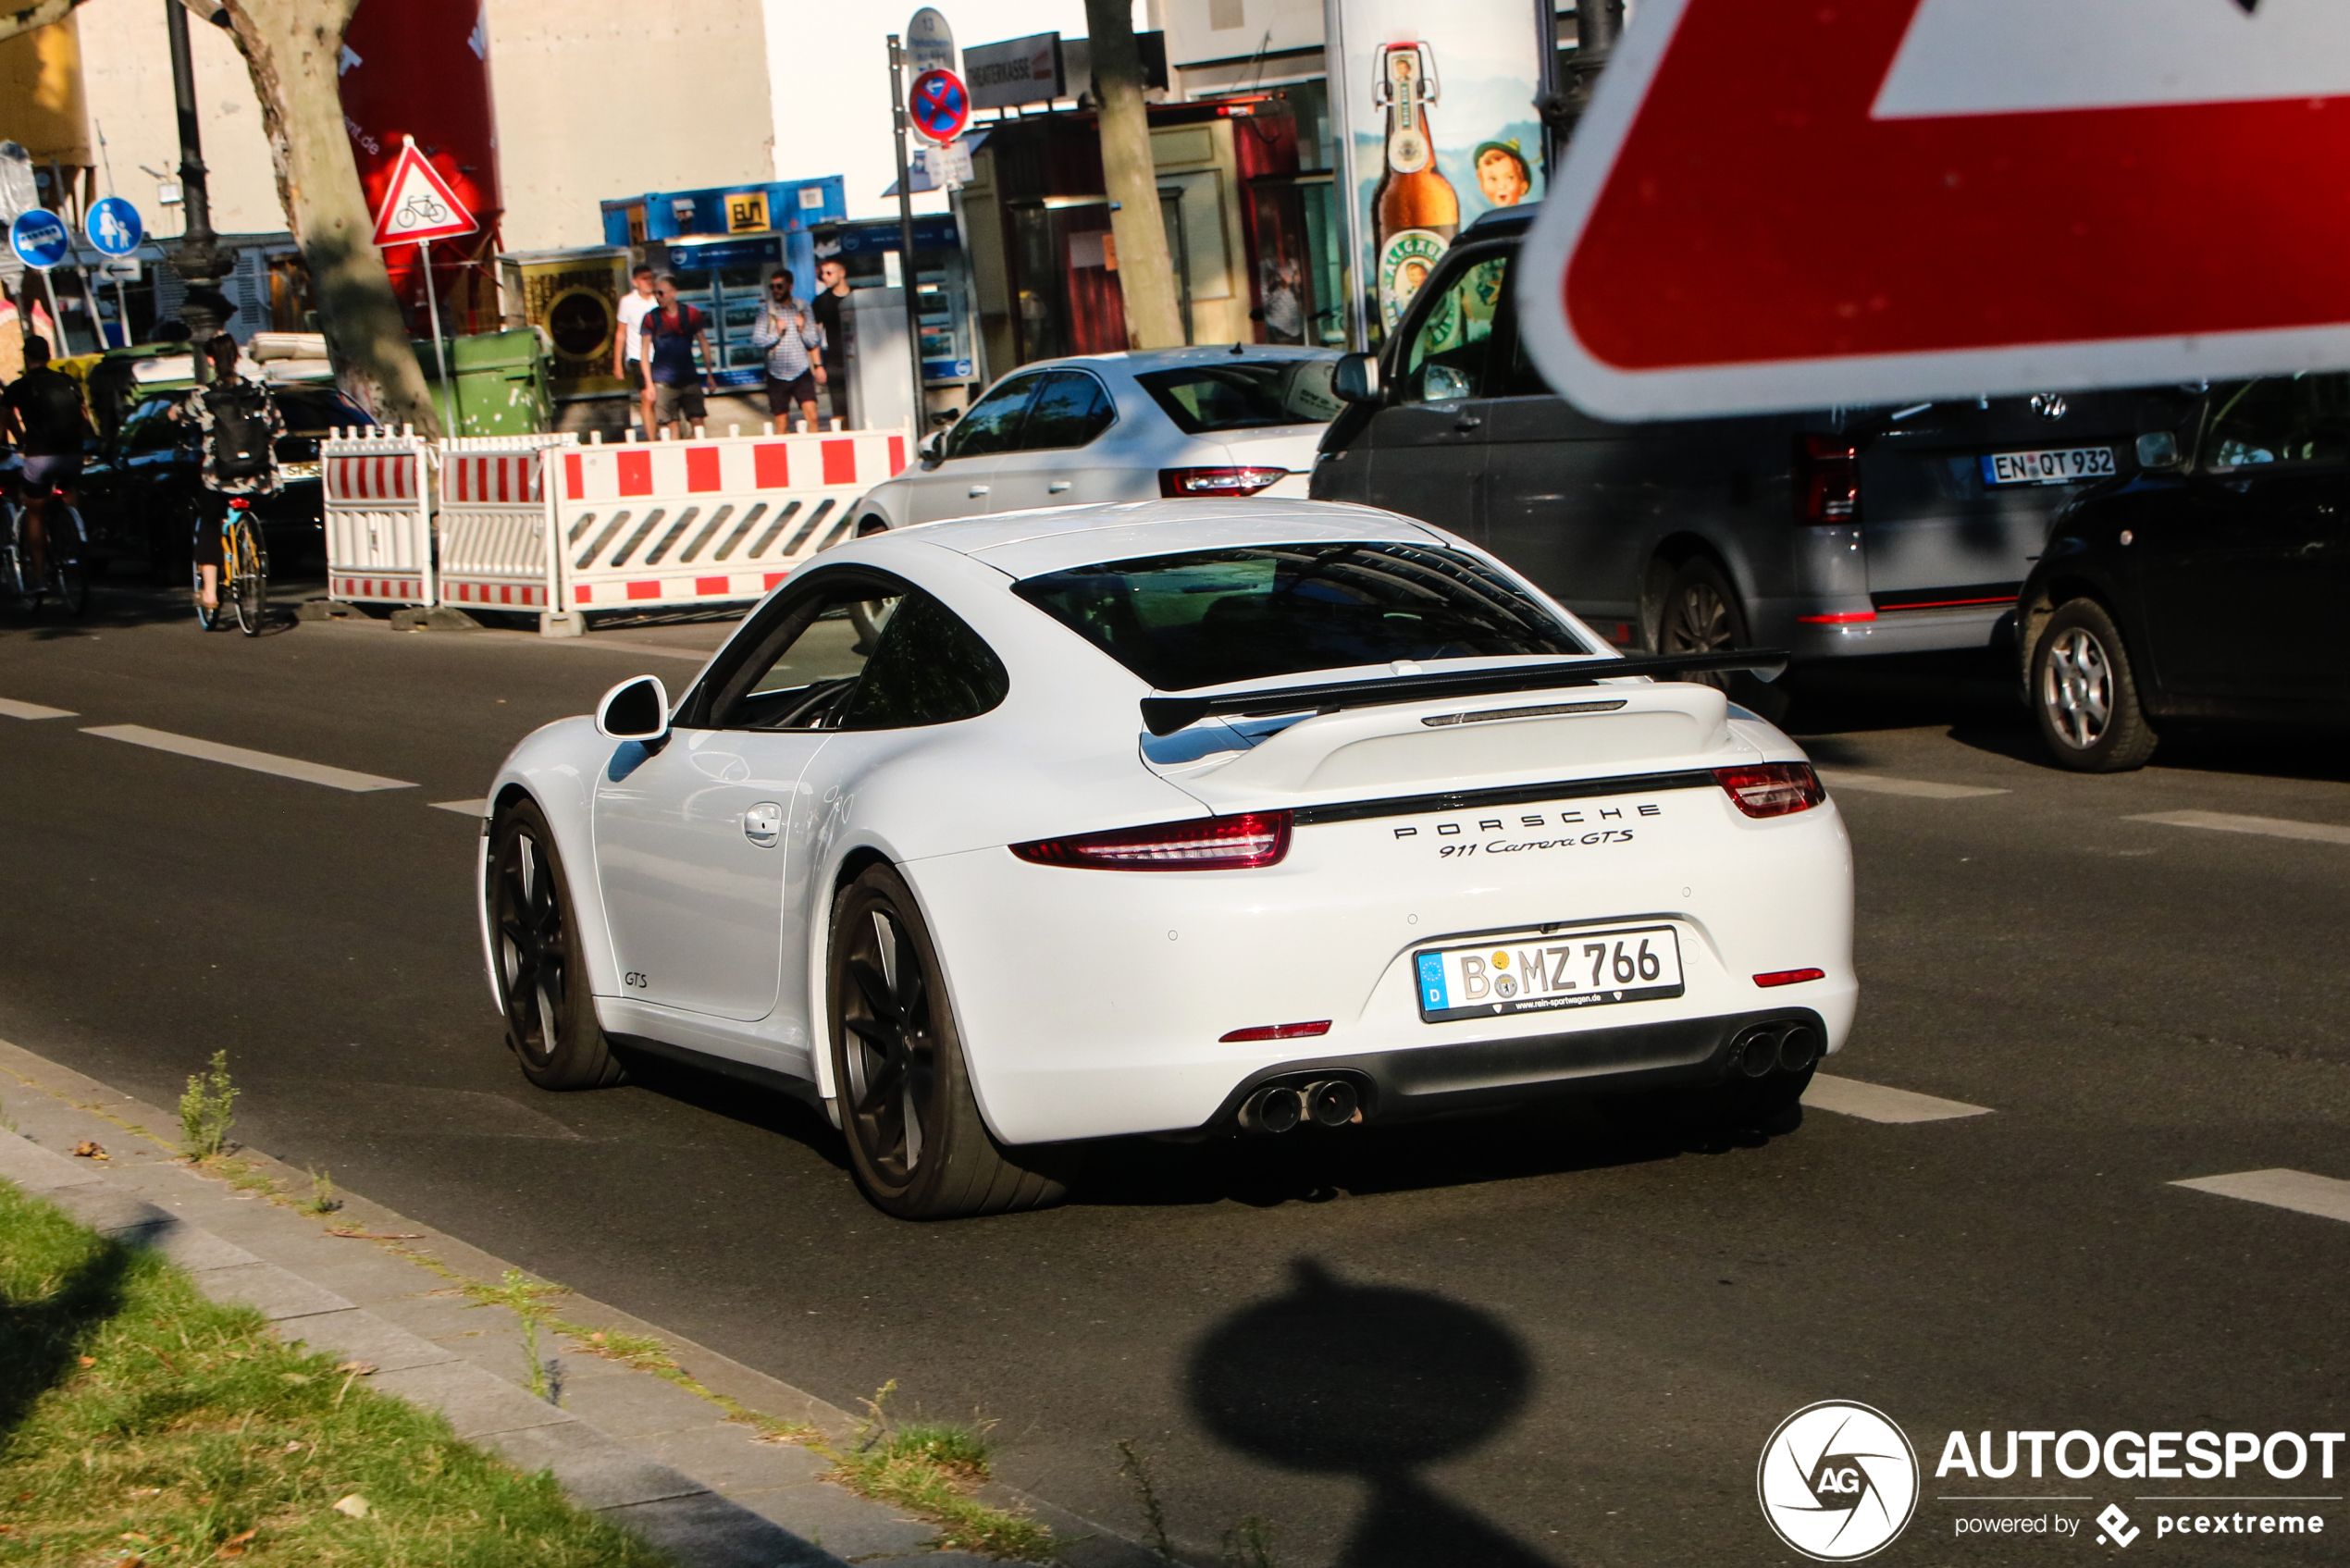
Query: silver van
{"type": "Point", "coordinates": [1843, 532]}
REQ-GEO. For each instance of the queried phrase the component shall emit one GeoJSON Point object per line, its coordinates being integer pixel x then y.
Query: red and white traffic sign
{"type": "Point", "coordinates": [938, 106]}
{"type": "Point", "coordinates": [418, 205]}
{"type": "Point", "coordinates": [1790, 203]}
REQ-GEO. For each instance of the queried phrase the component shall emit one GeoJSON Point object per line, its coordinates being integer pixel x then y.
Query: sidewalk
{"type": "Point", "coordinates": [714, 1488]}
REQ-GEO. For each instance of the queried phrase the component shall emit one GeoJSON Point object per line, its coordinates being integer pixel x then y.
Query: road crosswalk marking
{"type": "Point", "coordinates": [2294, 1190]}
{"type": "Point", "coordinates": [464, 807]}
{"type": "Point", "coordinates": [1875, 1101]}
{"type": "Point", "coordinates": [14, 709]}
{"type": "Point", "coordinates": [2272, 827]}
{"type": "Point", "coordinates": [238, 757]}
{"type": "Point", "coordinates": [1925, 789]}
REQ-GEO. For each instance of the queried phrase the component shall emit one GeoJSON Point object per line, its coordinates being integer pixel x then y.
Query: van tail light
{"type": "Point", "coordinates": [1828, 480]}
{"type": "Point", "coordinates": [1214, 843]}
{"type": "Point", "coordinates": [1177, 482]}
{"type": "Point", "coordinates": [1772, 789]}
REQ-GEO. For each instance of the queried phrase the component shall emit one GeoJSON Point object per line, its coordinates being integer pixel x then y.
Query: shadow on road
{"type": "Point", "coordinates": [1375, 1383]}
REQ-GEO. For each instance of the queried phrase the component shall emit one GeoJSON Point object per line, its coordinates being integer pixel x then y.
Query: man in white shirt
{"type": "Point", "coordinates": [628, 344]}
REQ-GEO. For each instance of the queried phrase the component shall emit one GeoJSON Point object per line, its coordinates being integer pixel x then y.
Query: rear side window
{"type": "Point", "coordinates": [1245, 394]}
{"type": "Point", "coordinates": [928, 668]}
{"type": "Point", "coordinates": [1206, 618]}
{"type": "Point", "coordinates": [1071, 409]}
{"type": "Point", "coordinates": [991, 425]}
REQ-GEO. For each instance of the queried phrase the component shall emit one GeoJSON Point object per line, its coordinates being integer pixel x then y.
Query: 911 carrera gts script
{"type": "Point", "coordinates": [1467, 837]}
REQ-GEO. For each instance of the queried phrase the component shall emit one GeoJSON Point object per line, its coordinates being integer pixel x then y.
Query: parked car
{"type": "Point", "coordinates": [1156, 818]}
{"type": "Point", "coordinates": [139, 489]}
{"type": "Point", "coordinates": [2206, 586]}
{"type": "Point", "coordinates": [1235, 421]}
{"type": "Point", "coordinates": [1853, 531]}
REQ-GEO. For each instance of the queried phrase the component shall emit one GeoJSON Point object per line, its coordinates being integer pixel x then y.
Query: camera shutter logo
{"type": "Point", "coordinates": [1838, 1481]}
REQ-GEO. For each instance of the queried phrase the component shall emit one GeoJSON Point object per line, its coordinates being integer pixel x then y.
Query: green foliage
{"type": "Point", "coordinates": [206, 1111]}
{"type": "Point", "coordinates": [141, 1422]}
{"type": "Point", "coordinates": [930, 1466]}
{"type": "Point", "coordinates": [322, 1199]}
{"type": "Point", "coordinates": [1249, 1544]}
{"type": "Point", "coordinates": [1130, 1464]}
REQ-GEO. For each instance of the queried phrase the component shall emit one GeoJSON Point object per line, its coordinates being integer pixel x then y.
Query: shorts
{"type": "Point", "coordinates": [633, 372]}
{"type": "Point", "coordinates": [784, 396]}
{"type": "Point", "coordinates": [671, 402]}
{"type": "Point", "coordinates": [45, 474]}
{"type": "Point", "coordinates": [211, 507]}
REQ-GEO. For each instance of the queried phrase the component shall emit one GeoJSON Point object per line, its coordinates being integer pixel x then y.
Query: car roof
{"type": "Point", "coordinates": [1138, 362]}
{"type": "Point", "coordinates": [1024, 544]}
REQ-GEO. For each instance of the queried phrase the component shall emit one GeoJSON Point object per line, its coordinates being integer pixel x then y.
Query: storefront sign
{"type": "Point", "coordinates": [1005, 76]}
{"type": "Point", "coordinates": [1436, 127]}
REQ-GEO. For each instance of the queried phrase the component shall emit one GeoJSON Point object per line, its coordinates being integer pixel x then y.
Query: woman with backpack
{"type": "Point", "coordinates": [239, 426]}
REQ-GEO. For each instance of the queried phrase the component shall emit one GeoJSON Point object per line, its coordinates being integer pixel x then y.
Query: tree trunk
{"type": "Point", "coordinates": [40, 13]}
{"type": "Point", "coordinates": [1145, 272]}
{"type": "Point", "coordinates": [294, 48]}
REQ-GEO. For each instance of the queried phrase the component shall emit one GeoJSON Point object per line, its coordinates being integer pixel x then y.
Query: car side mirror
{"type": "Point", "coordinates": [2159, 450]}
{"type": "Point", "coordinates": [928, 452]}
{"type": "Point", "coordinates": [1356, 379]}
{"type": "Point", "coordinates": [636, 710]}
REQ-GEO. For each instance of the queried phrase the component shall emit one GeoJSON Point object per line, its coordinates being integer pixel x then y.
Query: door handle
{"type": "Point", "coordinates": [1467, 422]}
{"type": "Point", "coordinates": [979, 490]}
{"type": "Point", "coordinates": [763, 824]}
{"type": "Point", "coordinates": [1057, 486]}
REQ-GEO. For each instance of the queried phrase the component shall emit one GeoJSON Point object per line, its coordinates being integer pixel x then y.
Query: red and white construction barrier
{"type": "Point", "coordinates": [493, 521]}
{"type": "Point", "coordinates": [646, 524]}
{"type": "Point", "coordinates": [378, 507]}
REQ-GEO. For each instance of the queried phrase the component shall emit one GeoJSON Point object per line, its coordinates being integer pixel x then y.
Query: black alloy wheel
{"type": "Point", "coordinates": [543, 983]}
{"type": "Point", "coordinates": [917, 1143]}
{"type": "Point", "coordinates": [1700, 613]}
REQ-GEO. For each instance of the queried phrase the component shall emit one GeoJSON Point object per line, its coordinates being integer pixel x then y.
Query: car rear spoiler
{"type": "Point", "coordinates": [1165, 715]}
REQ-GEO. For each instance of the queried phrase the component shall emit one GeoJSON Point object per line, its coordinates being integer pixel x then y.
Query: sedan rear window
{"type": "Point", "coordinates": [1245, 394]}
{"type": "Point", "coordinates": [1206, 618]}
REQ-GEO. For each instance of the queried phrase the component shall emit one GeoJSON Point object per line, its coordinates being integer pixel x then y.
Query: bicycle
{"type": "Point", "coordinates": [244, 572]}
{"type": "Point", "coordinates": [67, 575]}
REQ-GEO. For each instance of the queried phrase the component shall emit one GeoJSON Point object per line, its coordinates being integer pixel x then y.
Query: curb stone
{"type": "Point", "coordinates": [645, 1453]}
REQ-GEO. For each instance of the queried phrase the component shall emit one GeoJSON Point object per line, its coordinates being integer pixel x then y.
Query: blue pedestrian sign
{"type": "Point", "coordinates": [114, 226]}
{"type": "Point", "coordinates": [40, 239]}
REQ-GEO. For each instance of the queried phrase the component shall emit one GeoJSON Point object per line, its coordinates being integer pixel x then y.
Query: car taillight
{"type": "Point", "coordinates": [1827, 480]}
{"type": "Point", "coordinates": [1772, 789]}
{"type": "Point", "coordinates": [1214, 843]}
{"type": "Point", "coordinates": [1177, 482]}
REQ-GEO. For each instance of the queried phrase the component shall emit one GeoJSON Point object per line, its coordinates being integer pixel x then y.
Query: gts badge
{"type": "Point", "coordinates": [1595, 825]}
{"type": "Point", "coordinates": [636, 979]}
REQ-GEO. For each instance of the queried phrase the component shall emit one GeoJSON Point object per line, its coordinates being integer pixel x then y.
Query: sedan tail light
{"type": "Point", "coordinates": [1827, 480]}
{"type": "Point", "coordinates": [1177, 482]}
{"type": "Point", "coordinates": [1772, 789]}
{"type": "Point", "coordinates": [1216, 843]}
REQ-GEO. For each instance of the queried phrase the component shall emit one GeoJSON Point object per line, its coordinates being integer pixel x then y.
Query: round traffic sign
{"type": "Point", "coordinates": [939, 107]}
{"type": "Point", "coordinates": [114, 226]}
{"type": "Point", "coordinates": [39, 238]}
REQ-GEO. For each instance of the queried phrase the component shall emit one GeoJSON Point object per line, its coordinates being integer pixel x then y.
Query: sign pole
{"type": "Point", "coordinates": [906, 235]}
{"type": "Point", "coordinates": [440, 350]}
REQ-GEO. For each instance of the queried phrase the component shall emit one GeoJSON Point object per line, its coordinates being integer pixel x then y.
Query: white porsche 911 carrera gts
{"type": "Point", "coordinates": [997, 835]}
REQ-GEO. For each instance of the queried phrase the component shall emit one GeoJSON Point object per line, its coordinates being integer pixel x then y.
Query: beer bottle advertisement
{"type": "Point", "coordinates": [1440, 121]}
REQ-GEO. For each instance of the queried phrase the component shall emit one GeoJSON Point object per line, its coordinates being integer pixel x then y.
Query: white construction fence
{"type": "Point", "coordinates": [553, 525]}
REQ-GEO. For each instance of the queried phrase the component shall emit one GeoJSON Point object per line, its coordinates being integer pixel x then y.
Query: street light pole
{"type": "Point", "coordinates": [196, 257]}
{"type": "Point", "coordinates": [906, 235]}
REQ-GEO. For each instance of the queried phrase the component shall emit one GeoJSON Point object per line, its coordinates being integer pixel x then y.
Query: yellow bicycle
{"type": "Point", "coordinates": [244, 572]}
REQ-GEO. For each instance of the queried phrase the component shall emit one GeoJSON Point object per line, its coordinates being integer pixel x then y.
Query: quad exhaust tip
{"type": "Point", "coordinates": [1276, 1108]}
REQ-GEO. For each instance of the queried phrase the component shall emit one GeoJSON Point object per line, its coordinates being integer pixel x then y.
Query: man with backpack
{"type": "Point", "coordinates": [672, 332]}
{"type": "Point", "coordinates": [239, 423]}
{"type": "Point", "coordinates": [42, 415]}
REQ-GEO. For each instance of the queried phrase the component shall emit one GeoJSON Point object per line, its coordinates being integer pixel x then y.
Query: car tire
{"type": "Point", "coordinates": [917, 1144]}
{"type": "Point", "coordinates": [1700, 613]}
{"type": "Point", "coordinates": [2083, 695]}
{"type": "Point", "coordinates": [539, 959]}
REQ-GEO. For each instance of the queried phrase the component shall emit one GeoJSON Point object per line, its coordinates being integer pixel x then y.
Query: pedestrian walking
{"type": "Point", "coordinates": [788, 330]}
{"type": "Point", "coordinates": [627, 343]}
{"type": "Point", "coordinates": [671, 333]}
{"type": "Point", "coordinates": [832, 315]}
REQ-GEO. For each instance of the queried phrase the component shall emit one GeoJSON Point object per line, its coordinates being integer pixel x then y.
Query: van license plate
{"type": "Point", "coordinates": [1542, 974]}
{"type": "Point", "coordinates": [2073, 465]}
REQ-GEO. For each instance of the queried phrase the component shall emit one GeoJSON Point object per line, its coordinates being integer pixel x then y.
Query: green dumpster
{"type": "Point", "coordinates": [501, 382]}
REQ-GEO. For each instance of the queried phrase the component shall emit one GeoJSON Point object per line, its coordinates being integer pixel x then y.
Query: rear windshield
{"type": "Point", "coordinates": [312, 409]}
{"type": "Point", "coordinates": [1209, 617]}
{"type": "Point", "coordinates": [1245, 394]}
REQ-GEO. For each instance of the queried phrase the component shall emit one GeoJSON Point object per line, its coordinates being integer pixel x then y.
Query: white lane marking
{"type": "Point", "coordinates": [1925, 789]}
{"type": "Point", "coordinates": [2272, 827]}
{"type": "Point", "coordinates": [464, 807]}
{"type": "Point", "coordinates": [238, 757]}
{"type": "Point", "coordinates": [2294, 1190]}
{"type": "Point", "coordinates": [15, 709]}
{"type": "Point", "coordinates": [1875, 1101]}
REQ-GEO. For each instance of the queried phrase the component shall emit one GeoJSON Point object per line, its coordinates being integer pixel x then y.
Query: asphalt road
{"type": "Point", "coordinates": [1558, 1338]}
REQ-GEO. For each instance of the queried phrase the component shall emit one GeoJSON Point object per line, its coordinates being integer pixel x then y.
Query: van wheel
{"type": "Point", "coordinates": [2083, 695]}
{"type": "Point", "coordinates": [1700, 612]}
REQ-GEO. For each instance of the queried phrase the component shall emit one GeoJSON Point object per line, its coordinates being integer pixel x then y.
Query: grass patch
{"type": "Point", "coordinates": [930, 1466]}
{"type": "Point", "coordinates": [141, 1423]}
{"type": "Point", "coordinates": [206, 1111]}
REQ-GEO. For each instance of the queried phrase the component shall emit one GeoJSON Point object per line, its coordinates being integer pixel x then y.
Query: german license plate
{"type": "Point", "coordinates": [1589, 968]}
{"type": "Point", "coordinates": [2070, 466]}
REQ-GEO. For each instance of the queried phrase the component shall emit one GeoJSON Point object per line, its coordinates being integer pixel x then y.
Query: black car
{"type": "Point", "coordinates": [138, 489]}
{"type": "Point", "coordinates": [2204, 586]}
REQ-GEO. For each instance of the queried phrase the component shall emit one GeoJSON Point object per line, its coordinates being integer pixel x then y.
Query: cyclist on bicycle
{"type": "Point", "coordinates": [42, 415]}
{"type": "Point", "coordinates": [239, 424]}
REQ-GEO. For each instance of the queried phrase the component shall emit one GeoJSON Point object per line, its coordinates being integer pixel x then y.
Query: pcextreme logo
{"type": "Point", "coordinates": [1838, 1481]}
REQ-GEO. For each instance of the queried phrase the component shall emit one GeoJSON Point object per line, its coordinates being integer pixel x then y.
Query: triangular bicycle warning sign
{"type": "Point", "coordinates": [418, 205]}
